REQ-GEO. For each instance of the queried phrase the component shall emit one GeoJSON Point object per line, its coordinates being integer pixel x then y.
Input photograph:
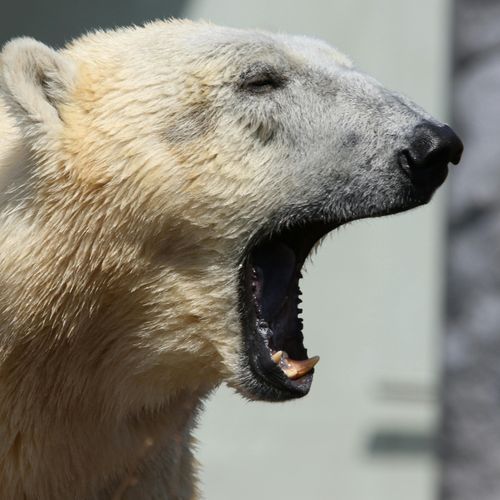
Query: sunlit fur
{"type": "Point", "coordinates": [133, 175]}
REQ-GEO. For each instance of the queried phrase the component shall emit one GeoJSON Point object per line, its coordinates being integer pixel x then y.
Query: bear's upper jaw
{"type": "Point", "coordinates": [275, 353]}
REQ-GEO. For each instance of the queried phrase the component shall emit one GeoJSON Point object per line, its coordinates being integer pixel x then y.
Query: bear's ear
{"type": "Point", "coordinates": [34, 81]}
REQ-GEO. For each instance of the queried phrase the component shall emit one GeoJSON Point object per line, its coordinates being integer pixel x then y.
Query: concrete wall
{"type": "Point", "coordinates": [372, 302]}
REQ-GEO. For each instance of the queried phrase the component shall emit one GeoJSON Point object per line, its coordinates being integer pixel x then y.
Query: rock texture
{"type": "Point", "coordinates": [471, 388]}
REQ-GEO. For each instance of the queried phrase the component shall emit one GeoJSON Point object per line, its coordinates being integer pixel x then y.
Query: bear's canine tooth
{"type": "Point", "coordinates": [296, 369]}
{"type": "Point", "coordinates": [277, 357]}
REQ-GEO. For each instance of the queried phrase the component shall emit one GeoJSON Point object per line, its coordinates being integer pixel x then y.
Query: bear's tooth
{"type": "Point", "coordinates": [277, 357]}
{"type": "Point", "coordinates": [296, 369]}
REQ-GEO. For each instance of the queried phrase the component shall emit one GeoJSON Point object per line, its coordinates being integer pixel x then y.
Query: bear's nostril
{"type": "Point", "coordinates": [430, 151]}
{"type": "Point", "coordinates": [434, 145]}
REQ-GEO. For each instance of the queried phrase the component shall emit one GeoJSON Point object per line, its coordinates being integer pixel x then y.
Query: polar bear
{"type": "Point", "coordinates": [162, 186]}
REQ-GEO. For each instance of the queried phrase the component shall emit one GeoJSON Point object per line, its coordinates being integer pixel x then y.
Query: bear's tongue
{"type": "Point", "coordinates": [275, 288]}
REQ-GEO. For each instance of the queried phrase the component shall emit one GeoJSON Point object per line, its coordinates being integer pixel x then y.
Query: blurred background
{"type": "Point", "coordinates": [402, 310]}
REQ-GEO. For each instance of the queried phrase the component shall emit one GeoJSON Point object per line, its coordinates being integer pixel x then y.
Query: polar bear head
{"type": "Point", "coordinates": [177, 177]}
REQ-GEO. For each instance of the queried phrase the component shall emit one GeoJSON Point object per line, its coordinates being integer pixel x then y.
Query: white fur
{"type": "Point", "coordinates": [138, 172]}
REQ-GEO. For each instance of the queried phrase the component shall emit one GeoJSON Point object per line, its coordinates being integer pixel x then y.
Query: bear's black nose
{"type": "Point", "coordinates": [431, 149]}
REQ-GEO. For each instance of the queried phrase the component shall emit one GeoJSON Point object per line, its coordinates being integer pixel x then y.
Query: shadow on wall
{"type": "Point", "coordinates": [56, 22]}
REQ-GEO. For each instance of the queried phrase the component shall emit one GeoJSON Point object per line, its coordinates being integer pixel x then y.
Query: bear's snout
{"type": "Point", "coordinates": [432, 148]}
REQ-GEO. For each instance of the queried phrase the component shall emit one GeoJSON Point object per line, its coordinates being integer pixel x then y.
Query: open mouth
{"type": "Point", "coordinates": [276, 365]}
{"type": "Point", "coordinates": [271, 298]}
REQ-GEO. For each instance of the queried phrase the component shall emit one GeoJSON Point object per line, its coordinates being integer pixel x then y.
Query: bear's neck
{"type": "Point", "coordinates": [63, 434]}
{"type": "Point", "coordinates": [84, 410]}
{"type": "Point", "coordinates": [147, 455]}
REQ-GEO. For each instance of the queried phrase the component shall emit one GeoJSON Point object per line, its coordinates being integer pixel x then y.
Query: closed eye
{"type": "Point", "coordinates": [261, 80]}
